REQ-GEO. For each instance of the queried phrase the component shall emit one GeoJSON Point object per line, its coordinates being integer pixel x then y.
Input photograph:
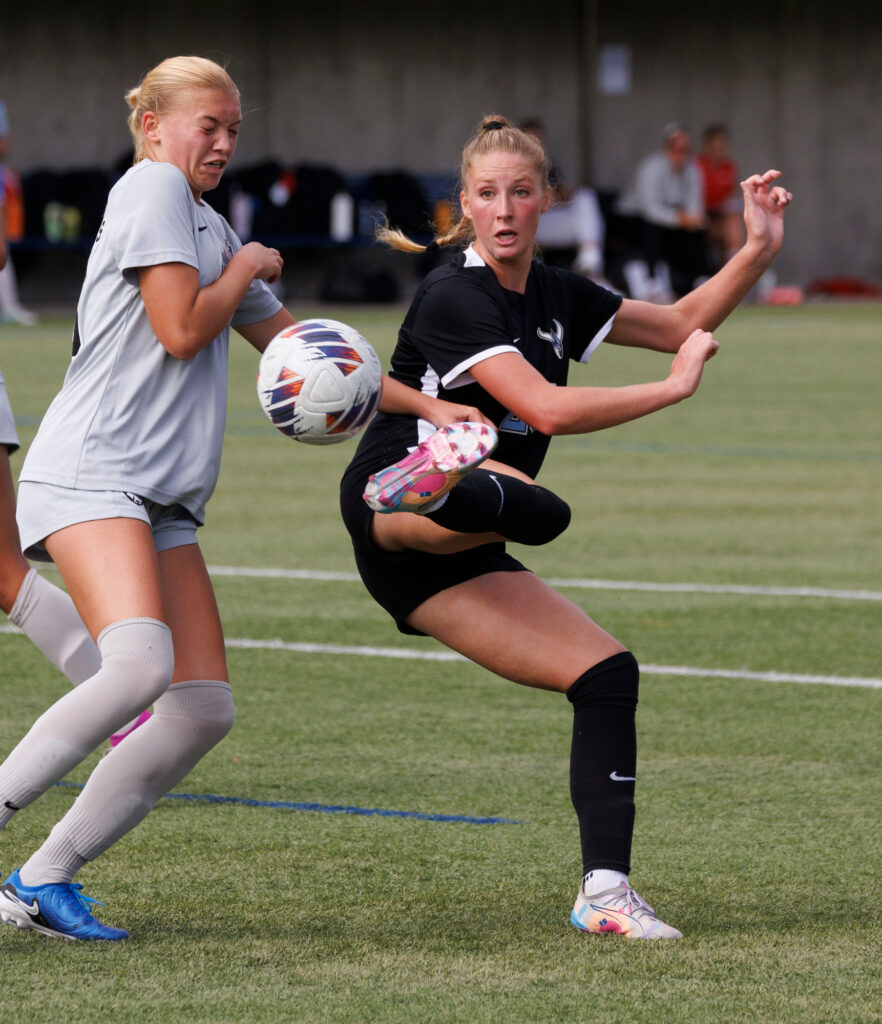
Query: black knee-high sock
{"type": "Point", "coordinates": [603, 760]}
{"type": "Point", "coordinates": [487, 502]}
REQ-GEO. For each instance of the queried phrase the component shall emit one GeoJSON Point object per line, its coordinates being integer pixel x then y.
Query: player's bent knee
{"type": "Point", "coordinates": [205, 706]}
{"type": "Point", "coordinates": [550, 518]}
{"type": "Point", "coordinates": [531, 514]}
{"type": "Point", "coordinates": [491, 502]}
{"type": "Point", "coordinates": [141, 652]}
{"type": "Point", "coordinates": [614, 680]}
{"type": "Point", "coordinates": [217, 712]}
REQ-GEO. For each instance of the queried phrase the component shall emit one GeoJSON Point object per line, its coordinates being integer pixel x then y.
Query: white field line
{"type": "Point", "coordinates": [654, 670]}
{"type": "Point", "coordinates": [410, 654]}
{"type": "Point", "coordinates": [584, 584]}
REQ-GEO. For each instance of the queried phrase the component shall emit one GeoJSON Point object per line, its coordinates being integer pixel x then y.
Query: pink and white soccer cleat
{"type": "Point", "coordinates": [416, 482]}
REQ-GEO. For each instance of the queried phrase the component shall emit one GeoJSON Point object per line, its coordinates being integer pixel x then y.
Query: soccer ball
{"type": "Point", "coordinates": [319, 381]}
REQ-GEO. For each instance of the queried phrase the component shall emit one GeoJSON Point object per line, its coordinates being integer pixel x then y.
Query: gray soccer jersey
{"type": "Point", "coordinates": [130, 416]}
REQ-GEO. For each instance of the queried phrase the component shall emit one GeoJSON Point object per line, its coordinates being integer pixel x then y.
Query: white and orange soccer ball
{"type": "Point", "coordinates": [319, 381]}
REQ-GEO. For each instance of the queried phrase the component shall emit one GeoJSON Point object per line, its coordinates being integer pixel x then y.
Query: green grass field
{"type": "Point", "coordinates": [758, 823]}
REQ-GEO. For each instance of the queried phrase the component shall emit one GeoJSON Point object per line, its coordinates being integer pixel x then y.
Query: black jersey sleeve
{"type": "Point", "coordinates": [459, 322]}
{"type": "Point", "coordinates": [593, 308]}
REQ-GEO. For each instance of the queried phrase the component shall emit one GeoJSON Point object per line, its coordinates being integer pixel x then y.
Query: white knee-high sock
{"type": "Point", "coordinates": [188, 720]}
{"type": "Point", "coordinates": [47, 616]}
{"type": "Point", "coordinates": [137, 666]}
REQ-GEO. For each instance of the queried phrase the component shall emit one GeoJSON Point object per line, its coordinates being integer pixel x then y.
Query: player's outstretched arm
{"type": "Point", "coordinates": [580, 410]}
{"type": "Point", "coordinates": [645, 325]}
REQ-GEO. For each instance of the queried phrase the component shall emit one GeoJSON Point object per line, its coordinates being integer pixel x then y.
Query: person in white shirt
{"type": "Point", "coordinates": [573, 219]}
{"type": "Point", "coordinates": [666, 198]}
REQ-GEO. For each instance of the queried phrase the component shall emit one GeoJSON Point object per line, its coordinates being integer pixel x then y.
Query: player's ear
{"type": "Point", "coordinates": [150, 126]}
{"type": "Point", "coordinates": [546, 199]}
{"type": "Point", "coordinates": [464, 205]}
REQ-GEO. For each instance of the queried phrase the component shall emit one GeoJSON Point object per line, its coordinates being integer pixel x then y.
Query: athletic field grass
{"type": "Point", "coordinates": [733, 542]}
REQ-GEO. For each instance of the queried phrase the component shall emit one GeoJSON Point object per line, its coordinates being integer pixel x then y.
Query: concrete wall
{"type": "Point", "coordinates": [800, 86]}
{"type": "Point", "coordinates": [393, 84]}
{"type": "Point", "coordinates": [360, 85]}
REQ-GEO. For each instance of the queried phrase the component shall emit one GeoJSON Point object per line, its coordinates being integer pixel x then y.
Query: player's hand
{"type": "Point", "coordinates": [442, 413]}
{"type": "Point", "coordinates": [689, 361]}
{"type": "Point", "coordinates": [764, 206]}
{"type": "Point", "coordinates": [267, 262]}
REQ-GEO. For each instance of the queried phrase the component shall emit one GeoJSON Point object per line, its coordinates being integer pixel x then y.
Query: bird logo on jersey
{"type": "Point", "coordinates": [555, 336]}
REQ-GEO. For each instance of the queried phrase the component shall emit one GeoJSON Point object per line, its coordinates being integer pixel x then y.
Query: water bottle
{"type": "Point", "coordinates": [342, 210]}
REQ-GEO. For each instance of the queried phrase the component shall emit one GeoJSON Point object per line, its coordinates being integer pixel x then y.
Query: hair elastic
{"type": "Point", "coordinates": [493, 126]}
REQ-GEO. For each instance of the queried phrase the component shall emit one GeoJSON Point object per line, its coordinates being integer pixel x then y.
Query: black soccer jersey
{"type": "Point", "coordinates": [460, 316]}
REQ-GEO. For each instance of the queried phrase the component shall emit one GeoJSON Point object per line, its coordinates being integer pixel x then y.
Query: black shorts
{"type": "Point", "coordinates": [401, 581]}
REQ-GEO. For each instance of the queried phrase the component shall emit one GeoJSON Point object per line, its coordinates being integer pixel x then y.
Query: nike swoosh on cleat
{"type": "Point", "coordinates": [622, 778]}
{"type": "Point", "coordinates": [32, 911]}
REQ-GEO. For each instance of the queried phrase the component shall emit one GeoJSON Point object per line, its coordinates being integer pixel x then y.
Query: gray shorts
{"type": "Point", "coordinates": [8, 434]}
{"type": "Point", "coordinates": [42, 509]}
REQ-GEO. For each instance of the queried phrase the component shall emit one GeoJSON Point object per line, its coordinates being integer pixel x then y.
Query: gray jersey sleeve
{"type": "Point", "coordinates": [164, 225]}
{"type": "Point", "coordinates": [156, 223]}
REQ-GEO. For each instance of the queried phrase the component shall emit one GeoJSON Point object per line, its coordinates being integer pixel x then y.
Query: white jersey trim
{"type": "Point", "coordinates": [472, 259]}
{"type": "Point", "coordinates": [597, 339]}
{"type": "Point", "coordinates": [429, 382]}
{"type": "Point", "coordinates": [459, 376]}
{"type": "Point", "coordinates": [429, 385]}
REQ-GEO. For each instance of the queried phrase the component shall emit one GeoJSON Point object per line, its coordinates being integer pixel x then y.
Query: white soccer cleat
{"type": "Point", "coordinates": [619, 911]}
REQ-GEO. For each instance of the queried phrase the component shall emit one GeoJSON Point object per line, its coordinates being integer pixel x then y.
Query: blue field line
{"type": "Point", "coordinates": [292, 805]}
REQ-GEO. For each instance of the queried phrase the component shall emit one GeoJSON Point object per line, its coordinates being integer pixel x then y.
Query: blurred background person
{"type": "Point", "coordinates": [665, 199]}
{"type": "Point", "coordinates": [12, 227]}
{"type": "Point", "coordinates": [722, 196]}
{"type": "Point", "coordinates": [574, 220]}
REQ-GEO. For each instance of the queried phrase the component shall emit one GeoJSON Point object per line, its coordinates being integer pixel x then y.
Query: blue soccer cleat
{"type": "Point", "coordinates": [58, 909]}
